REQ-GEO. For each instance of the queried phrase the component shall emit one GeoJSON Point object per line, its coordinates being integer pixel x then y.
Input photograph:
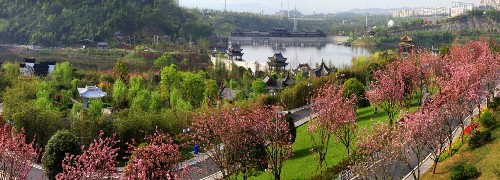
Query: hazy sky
{"type": "Point", "coordinates": [310, 6]}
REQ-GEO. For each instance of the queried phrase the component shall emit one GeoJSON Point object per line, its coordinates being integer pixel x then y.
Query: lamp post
{"type": "Point", "coordinates": [275, 170]}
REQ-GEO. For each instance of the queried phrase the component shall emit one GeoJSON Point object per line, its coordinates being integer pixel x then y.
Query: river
{"type": "Point", "coordinates": [337, 55]}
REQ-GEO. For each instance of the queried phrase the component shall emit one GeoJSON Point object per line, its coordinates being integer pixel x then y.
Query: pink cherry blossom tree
{"type": "Point", "coordinates": [16, 156]}
{"type": "Point", "coordinates": [96, 162]}
{"type": "Point", "coordinates": [157, 160]}
{"type": "Point", "coordinates": [335, 116]}
{"type": "Point", "coordinates": [378, 149]}
{"type": "Point", "coordinates": [242, 140]}
{"type": "Point", "coordinates": [388, 92]}
{"type": "Point", "coordinates": [277, 138]}
{"type": "Point", "coordinates": [414, 136]}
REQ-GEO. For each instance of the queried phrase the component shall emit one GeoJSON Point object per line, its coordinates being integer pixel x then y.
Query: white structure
{"type": "Point", "coordinates": [102, 45]}
{"type": "Point", "coordinates": [254, 66]}
{"type": "Point", "coordinates": [90, 92]}
{"type": "Point", "coordinates": [421, 12]}
{"type": "Point", "coordinates": [30, 68]}
{"type": "Point", "coordinates": [493, 3]}
{"type": "Point", "coordinates": [391, 24]}
{"type": "Point", "coordinates": [458, 8]}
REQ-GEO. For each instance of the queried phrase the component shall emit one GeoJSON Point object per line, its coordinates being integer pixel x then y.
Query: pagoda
{"type": "Point", "coordinates": [405, 45]}
{"type": "Point", "coordinates": [234, 53]}
{"type": "Point", "coordinates": [322, 70]}
{"type": "Point", "coordinates": [277, 62]}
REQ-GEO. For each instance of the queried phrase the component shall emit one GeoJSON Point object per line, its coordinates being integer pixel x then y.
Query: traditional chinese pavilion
{"type": "Point", "coordinates": [234, 53]}
{"type": "Point", "coordinates": [90, 92]}
{"type": "Point", "coordinates": [277, 62]}
{"type": "Point", "coordinates": [322, 70]}
{"type": "Point", "coordinates": [405, 45]}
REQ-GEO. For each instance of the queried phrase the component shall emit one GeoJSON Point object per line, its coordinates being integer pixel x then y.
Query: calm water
{"type": "Point", "coordinates": [336, 54]}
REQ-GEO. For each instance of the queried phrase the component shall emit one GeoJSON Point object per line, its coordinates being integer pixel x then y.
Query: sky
{"type": "Point", "coordinates": [310, 6]}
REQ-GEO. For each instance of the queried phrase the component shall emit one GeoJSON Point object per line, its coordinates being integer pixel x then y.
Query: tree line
{"type": "Point", "coordinates": [65, 22]}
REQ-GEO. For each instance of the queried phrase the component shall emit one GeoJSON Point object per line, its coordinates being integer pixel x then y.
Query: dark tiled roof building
{"type": "Point", "coordinates": [277, 62]}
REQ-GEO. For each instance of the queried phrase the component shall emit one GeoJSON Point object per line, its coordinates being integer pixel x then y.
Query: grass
{"type": "Point", "coordinates": [455, 147]}
{"type": "Point", "coordinates": [303, 164]}
{"type": "Point", "coordinates": [485, 158]}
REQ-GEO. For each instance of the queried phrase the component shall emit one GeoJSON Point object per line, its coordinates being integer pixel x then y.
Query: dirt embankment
{"type": "Point", "coordinates": [470, 23]}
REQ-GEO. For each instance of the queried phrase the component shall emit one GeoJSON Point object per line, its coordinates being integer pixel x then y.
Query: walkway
{"type": "Point", "coordinates": [427, 163]}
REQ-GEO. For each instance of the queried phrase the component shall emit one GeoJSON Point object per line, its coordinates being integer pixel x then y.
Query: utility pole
{"type": "Point", "coordinates": [281, 9]}
{"type": "Point", "coordinates": [225, 6]}
{"type": "Point", "coordinates": [366, 17]}
{"type": "Point", "coordinates": [295, 20]}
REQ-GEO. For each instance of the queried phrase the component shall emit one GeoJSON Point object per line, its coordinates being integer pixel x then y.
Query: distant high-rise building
{"type": "Point", "coordinates": [490, 3]}
{"type": "Point", "coordinates": [458, 8]}
{"type": "Point", "coordinates": [421, 12]}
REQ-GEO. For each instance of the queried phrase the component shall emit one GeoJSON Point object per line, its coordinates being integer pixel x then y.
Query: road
{"type": "Point", "coordinates": [37, 173]}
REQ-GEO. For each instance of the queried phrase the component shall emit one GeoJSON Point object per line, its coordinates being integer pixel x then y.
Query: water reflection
{"type": "Point", "coordinates": [337, 55]}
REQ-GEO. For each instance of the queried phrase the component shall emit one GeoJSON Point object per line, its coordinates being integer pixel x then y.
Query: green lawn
{"type": "Point", "coordinates": [303, 164]}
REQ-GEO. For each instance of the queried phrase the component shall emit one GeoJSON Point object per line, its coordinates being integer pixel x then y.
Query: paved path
{"type": "Point", "coordinates": [427, 163]}
{"type": "Point", "coordinates": [37, 173]}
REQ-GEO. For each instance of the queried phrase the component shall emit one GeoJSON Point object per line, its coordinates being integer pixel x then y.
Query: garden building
{"type": "Point", "coordinates": [277, 62]}
{"type": "Point", "coordinates": [90, 92]}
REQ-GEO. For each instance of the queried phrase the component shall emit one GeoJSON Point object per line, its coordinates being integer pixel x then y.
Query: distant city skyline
{"type": "Point", "coordinates": [310, 6]}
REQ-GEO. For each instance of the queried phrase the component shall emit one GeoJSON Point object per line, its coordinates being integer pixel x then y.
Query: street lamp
{"type": "Point", "coordinates": [273, 93]}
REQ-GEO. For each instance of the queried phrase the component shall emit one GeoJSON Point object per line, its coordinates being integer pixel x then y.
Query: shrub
{"type": "Point", "coordinates": [464, 171]}
{"type": "Point", "coordinates": [59, 144]}
{"type": "Point", "coordinates": [494, 103]}
{"type": "Point", "coordinates": [488, 120]}
{"type": "Point", "coordinates": [479, 138]}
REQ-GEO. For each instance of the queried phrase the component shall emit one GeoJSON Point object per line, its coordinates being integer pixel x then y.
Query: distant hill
{"type": "Point", "coordinates": [65, 22]}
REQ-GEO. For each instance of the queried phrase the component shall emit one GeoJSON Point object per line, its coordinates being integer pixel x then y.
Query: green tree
{"type": "Point", "coordinates": [37, 120]}
{"type": "Point", "coordinates": [59, 144]}
{"type": "Point", "coordinates": [121, 70]}
{"type": "Point", "coordinates": [177, 102]}
{"type": "Point", "coordinates": [95, 107]}
{"type": "Point", "coordinates": [136, 84]}
{"type": "Point", "coordinates": [120, 93]}
{"type": "Point", "coordinates": [141, 101]}
{"type": "Point", "coordinates": [192, 88]}
{"type": "Point", "coordinates": [211, 94]}
{"type": "Point", "coordinates": [247, 82]}
{"type": "Point", "coordinates": [233, 84]}
{"type": "Point", "coordinates": [353, 87]}
{"type": "Point", "coordinates": [63, 73]}
{"type": "Point", "coordinates": [258, 87]}
{"type": "Point", "coordinates": [169, 79]}
{"type": "Point", "coordinates": [11, 70]}
{"type": "Point", "coordinates": [165, 60]}
{"type": "Point", "coordinates": [66, 96]}
{"type": "Point", "coordinates": [156, 102]}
